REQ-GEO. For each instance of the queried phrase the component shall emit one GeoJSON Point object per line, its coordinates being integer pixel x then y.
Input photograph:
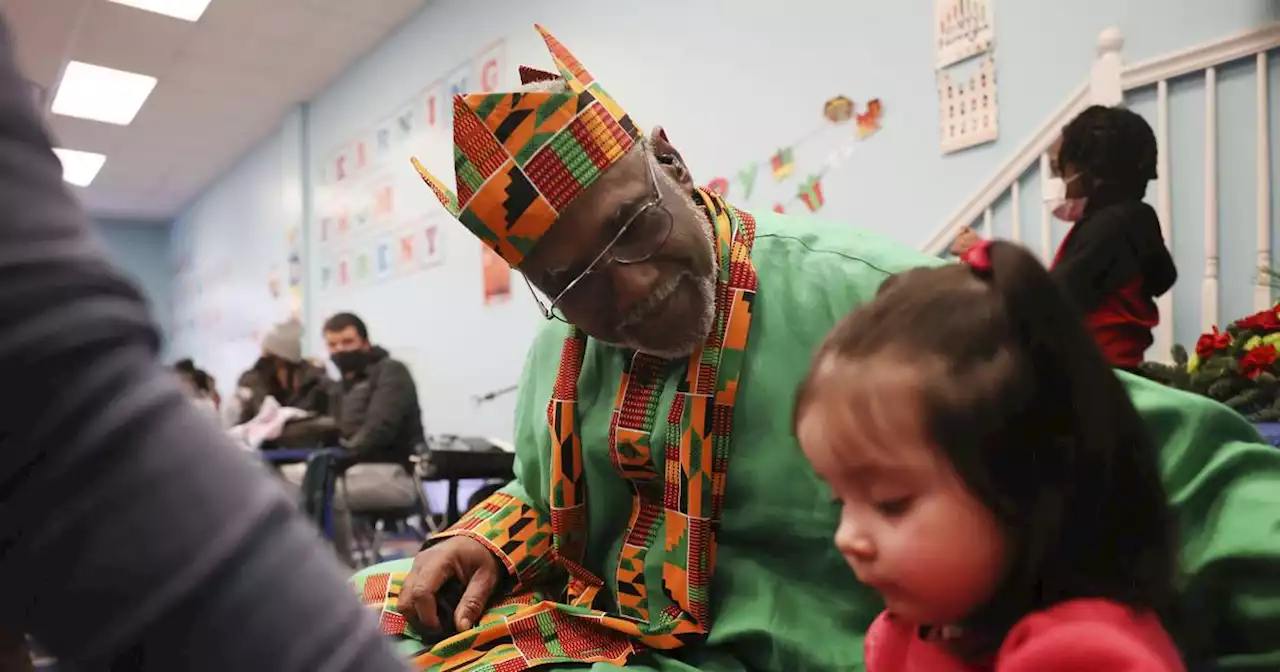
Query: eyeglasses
{"type": "Point", "coordinates": [639, 238]}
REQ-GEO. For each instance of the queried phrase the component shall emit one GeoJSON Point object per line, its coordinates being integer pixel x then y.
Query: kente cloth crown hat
{"type": "Point", "coordinates": [520, 158]}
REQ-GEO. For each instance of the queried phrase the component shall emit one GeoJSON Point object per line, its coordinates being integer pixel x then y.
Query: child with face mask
{"type": "Point", "coordinates": [1113, 262]}
{"type": "Point", "coordinates": [995, 483]}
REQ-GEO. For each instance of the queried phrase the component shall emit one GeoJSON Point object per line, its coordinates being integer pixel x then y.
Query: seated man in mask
{"type": "Point", "coordinates": [378, 416]}
{"type": "Point", "coordinates": [663, 516]}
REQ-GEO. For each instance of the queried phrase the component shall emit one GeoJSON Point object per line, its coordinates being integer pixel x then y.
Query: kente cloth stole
{"type": "Point", "coordinates": [554, 622]}
{"type": "Point", "coordinates": [689, 494]}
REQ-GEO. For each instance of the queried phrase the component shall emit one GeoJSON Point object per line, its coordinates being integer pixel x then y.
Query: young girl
{"type": "Point", "coordinates": [1113, 263]}
{"type": "Point", "coordinates": [997, 487]}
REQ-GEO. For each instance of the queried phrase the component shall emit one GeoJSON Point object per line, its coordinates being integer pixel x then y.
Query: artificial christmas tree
{"type": "Point", "coordinates": [1239, 367]}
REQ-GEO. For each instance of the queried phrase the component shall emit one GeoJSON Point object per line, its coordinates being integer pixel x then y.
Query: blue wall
{"type": "Point", "coordinates": [234, 240]}
{"type": "Point", "coordinates": [141, 250]}
{"type": "Point", "coordinates": [732, 81]}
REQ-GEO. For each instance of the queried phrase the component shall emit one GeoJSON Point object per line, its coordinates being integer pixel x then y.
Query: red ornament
{"type": "Point", "coordinates": [1211, 342]}
{"type": "Point", "coordinates": [1257, 360]}
{"type": "Point", "coordinates": [1265, 321]}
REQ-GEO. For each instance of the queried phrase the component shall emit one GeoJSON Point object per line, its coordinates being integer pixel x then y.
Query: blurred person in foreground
{"type": "Point", "coordinates": [133, 534]}
{"type": "Point", "coordinates": [663, 515]}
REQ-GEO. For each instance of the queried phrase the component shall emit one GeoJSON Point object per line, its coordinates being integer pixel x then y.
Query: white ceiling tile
{"type": "Point", "coordinates": [384, 13]}
{"type": "Point", "coordinates": [277, 20]}
{"type": "Point", "coordinates": [42, 33]}
{"type": "Point", "coordinates": [130, 39]}
{"type": "Point", "coordinates": [226, 82]}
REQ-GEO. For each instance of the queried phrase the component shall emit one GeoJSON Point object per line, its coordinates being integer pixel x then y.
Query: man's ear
{"type": "Point", "coordinates": [669, 157]}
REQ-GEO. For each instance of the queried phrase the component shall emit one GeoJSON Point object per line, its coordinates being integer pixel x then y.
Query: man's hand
{"type": "Point", "coordinates": [461, 558]}
{"type": "Point", "coordinates": [965, 241]}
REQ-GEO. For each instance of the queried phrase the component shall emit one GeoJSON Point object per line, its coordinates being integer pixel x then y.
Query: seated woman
{"type": "Point", "coordinates": [1113, 263]}
{"type": "Point", "coordinates": [282, 373]}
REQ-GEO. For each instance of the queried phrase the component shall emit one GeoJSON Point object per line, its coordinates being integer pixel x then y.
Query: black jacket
{"type": "Point", "coordinates": [1114, 243]}
{"type": "Point", "coordinates": [312, 392]}
{"type": "Point", "coordinates": [378, 413]}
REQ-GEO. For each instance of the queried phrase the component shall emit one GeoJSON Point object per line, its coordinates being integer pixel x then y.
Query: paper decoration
{"type": "Point", "coordinates": [838, 110]}
{"type": "Point", "coordinates": [810, 193]}
{"type": "Point", "coordinates": [869, 121]}
{"type": "Point", "coordinates": [719, 186]}
{"type": "Point", "coordinates": [489, 68]}
{"type": "Point", "coordinates": [961, 29]}
{"type": "Point", "coordinates": [391, 254]}
{"type": "Point", "coordinates": [375, 222]}
{"type": "Point", "coordinates": [779, 209]}
{"type": "Point", "coordinates": [968, 109]}
{"type": "Point", "coordinates": [782, 163]}
{"type": "Point", "coordinates": [747, 176]}
{"type": "Point", "coordinates": [383, 261]}
{"type": "Point", "coordinates": [497, 277]}
{"type": "Point", "coordinates": [433, 103]}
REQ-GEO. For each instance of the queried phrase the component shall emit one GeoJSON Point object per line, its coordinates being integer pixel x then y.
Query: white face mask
{"type": "Point", "coordinates": [1066, 209]}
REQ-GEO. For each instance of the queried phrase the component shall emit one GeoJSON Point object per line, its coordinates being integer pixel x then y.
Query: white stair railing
{"type": "Point", "coordinates": [1108, 80]}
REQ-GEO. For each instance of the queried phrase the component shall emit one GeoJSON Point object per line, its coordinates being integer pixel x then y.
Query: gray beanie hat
{"type": "Point", "coordinates": [284, 341]}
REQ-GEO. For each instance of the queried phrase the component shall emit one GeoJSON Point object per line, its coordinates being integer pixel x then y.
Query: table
{"type": "Point", "coordinates": [456, 465]}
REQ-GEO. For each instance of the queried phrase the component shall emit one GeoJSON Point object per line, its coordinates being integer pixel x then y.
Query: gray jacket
{"type": "Point", "coordinates": [378, 414]}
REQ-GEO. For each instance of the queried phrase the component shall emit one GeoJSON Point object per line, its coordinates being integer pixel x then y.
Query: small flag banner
{"type": "Point", "coordinates": [781, 165]}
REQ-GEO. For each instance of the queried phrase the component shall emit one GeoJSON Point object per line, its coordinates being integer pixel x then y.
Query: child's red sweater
{"type": "Point", "coordinates": [1075, 636]}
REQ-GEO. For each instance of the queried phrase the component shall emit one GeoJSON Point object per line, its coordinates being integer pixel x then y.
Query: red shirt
{"type": "Point", "coordinates": [1075, 636]}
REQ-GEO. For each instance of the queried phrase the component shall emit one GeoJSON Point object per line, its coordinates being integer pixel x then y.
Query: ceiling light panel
{"type": "Point", "coordinates": [108, 95]}
{"type": "Point", "coordinates": [187, 10]}
{"type": "Point", "coordinates": [79, 168]}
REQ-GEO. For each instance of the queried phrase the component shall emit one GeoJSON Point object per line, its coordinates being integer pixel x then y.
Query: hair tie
{"type": "Point", "coordinates": [978, 257]}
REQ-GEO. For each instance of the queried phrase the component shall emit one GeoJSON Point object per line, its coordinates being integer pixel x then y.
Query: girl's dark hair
{"type": "Point", "coordinates": [1022, 402]}
{"type": "Point", "coordinates": [1114, 147]}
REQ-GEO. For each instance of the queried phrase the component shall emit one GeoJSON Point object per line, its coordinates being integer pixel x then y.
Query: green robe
{"type": "Point", "coordinates": [782, 597]}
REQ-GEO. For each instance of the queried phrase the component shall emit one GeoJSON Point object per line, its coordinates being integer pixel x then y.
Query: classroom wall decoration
{"type": "Point", "coordinates": [496, 275]}
{"type": "Point", "coordinates": [855, 125]}
{"type": "Point", "coordinates": [968, 108]}
{"type": "Point", "coordinates": [373, 224]}
{"type": "Point", "coordinates": [961, 29]}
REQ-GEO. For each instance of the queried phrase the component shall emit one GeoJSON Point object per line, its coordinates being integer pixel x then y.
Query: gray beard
{"type": "Point", "coordinates": [696, 333]}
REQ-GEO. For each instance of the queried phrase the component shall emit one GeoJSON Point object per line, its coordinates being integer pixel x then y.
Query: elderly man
{"type": "Point", "coordinates": [663, 517]}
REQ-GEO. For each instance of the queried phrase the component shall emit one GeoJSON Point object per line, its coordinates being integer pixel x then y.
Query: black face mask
{"type": "Point", "coordinates": [353, 361]}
